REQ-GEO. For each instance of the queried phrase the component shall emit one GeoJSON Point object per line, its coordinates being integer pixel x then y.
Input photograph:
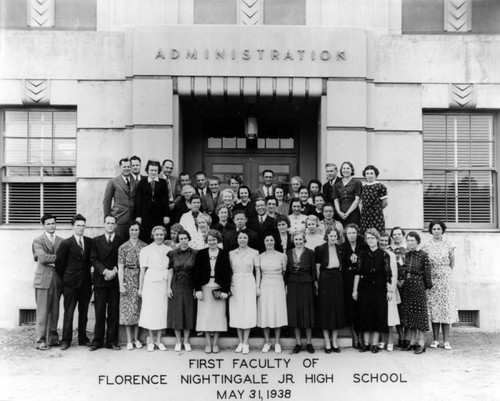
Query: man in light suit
{"type": "Point", "coordinates": [104, 258]}
{"type": "Point", "coordinates": [73, 267]}
{"type": "Point", "coordinates": [47, 285]}
{"type": "Point", "coordinates": [212, 199]}
{"type": "Point", "coordinates": [267, 189]}
{"type": "Point", "coordinates": [119, 198]}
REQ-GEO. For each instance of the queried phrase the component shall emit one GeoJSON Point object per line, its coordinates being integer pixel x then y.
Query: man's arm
{"type": "Point", "coordinates": [62, 258]}
{"type": "Point", "coordinates": [94, 256]}
{"type": "Point", "coordinates": [108, 197]}
{"type": "Point", "coordinates": [41, 254]}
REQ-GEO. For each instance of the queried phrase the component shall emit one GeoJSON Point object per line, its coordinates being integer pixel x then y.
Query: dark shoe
{"type": "Point", "coordinates": [409, 347]}
{"type": "Point", "coordinates": [42, 347]}
{"type": "Point", "coordinates": [375, 349]}
{"type": "Point", "coordinates": [328, 350]}
{"type": "Point", "coordinates": [64, 346]}
{"type": "Point", "coordinates": [115, 347]}
{"type": "Point", "coordinates": [85, 343]}
{"type": "Point", "coordinates": [310, 348]}
{"type": "Point", "coordinates": [94, 347]}
{"type": "Point", "coordinates": [364, 348]}
{"type": "Point", "coordinates": [400, 343]}
{"type": "Point", "coordinates": [297, 348]}
{"type": "Point", "coordinates": [419, 349]}
{"type": "Point", "coordinates": [55, 344]}
{"type": "Point", "coordinates": [356, 345]}
{"type": "Point", "coordinates": [336, 350]}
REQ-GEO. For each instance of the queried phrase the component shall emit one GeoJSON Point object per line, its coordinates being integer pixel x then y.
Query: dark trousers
{"type": "Point", "coordinates": [47, 313]}
{"type": "Point", "coordinates": [73, 296]}
{"type": "Point", "coordinates": [106, 302]}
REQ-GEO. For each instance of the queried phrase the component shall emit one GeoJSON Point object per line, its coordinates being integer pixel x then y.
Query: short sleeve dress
{"type": "Point", "coordinates": [271, 304]}
{"type": "Point", "coordinates": [346, 194]}
{"type": "Point", "coordinates": [154, 291]}
{"type": "Point", "coordinates": [372, 215]}
{"type": "Point", "coordinates": [130, 301]}
{"type": "Point", "coordinates": [243, 303]}
{"type": "Point", "coordinates": [441, 297]}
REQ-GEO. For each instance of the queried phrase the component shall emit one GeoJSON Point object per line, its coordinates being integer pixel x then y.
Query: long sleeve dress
{"type": "Point", "coordinates": [346, 194]}
{"type": "Point", "coordinates": [374, 271]}
{"type": "Point", "coordinates": [417, 277]}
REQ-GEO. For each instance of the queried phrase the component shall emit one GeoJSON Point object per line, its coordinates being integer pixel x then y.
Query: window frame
{"type": "Point", "coordinates": [41, 178]}
{"type": "Point", "coordinates": [458, 226]}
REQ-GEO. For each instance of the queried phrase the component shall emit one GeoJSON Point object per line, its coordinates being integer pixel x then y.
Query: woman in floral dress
{"type": "Point", "coordinates": [128, 276]}
{"type": "Point", "coordinates": [441, 298]}
{"type": "Point", "coordinates": [373, 200]}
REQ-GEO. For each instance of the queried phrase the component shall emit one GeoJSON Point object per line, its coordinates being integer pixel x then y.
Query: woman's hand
{"type": "Point", "coordinates": [400, 283]}
{"type": "Point", "coordinates": [170, 293]}
{"type": "Point", "coordinates": [223, 295]}
{"type": "Point", "coordinates": [316, 288]}
{"type": "Point", "coordinates": [355, 295]}
{"type": "Point", "coordinates": [257, 291]}
{"type": "Point", "coordinates": [389, 296]}
{"type": "Point", "coordinates": [122, 289]}
{"type": "Point", "coordinates": [139, 292]}
{"type": "Point", "coordinates": [198, 295]}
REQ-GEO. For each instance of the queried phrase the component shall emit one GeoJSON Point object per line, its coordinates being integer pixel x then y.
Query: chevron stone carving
{"type": "Point", "coordinates": [36, 92]}
{"type": "Point", "coordinates": [251, 12]}
{"type": "Point", "coordinates": [41, 13]}
{"type": "Point", "coordinates": [462, 96]}
{"type": "Point", "coordinates": [457, 15]}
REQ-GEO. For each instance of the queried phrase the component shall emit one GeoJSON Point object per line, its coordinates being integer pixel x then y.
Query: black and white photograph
{"type": "Point", "coordinates": [249, 200]}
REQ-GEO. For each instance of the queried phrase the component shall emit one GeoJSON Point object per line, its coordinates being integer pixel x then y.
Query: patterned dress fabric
{"type": "Point", "coordinates": [130, 301]}
{"type": "Point", "coordinates": [372, 214]}
{"type": "Point", "coordinates": [441, 298]}
{"type": "Point", "coordinates": [271, 304]}
{"type": "Point", "coordinates": [417, 278]}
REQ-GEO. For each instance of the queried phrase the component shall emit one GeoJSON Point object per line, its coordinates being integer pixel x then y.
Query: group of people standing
{"type": "Point", "coordinates": [205, 259]}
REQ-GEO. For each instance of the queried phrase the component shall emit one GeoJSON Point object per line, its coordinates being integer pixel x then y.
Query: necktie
{"type": "Point", "coordinates": [52, 238]}
{"type": "Point", "coordinates": [80, 244]}
{"type": "Point", "coordinates": [128, 182]}
{"type": "Point", "coordinates": [261, 218]}
{"type": "Point", "coordinates": [153, 187]}
{"type": "Point", "coordinates": [109, 240]}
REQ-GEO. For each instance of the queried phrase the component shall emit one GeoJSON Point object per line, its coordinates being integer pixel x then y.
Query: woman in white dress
{"type": "Point", "coordinates": [199, 239]}
{"type": "Point", "coordinates": [153, 287]}
{"type": "Point", "coordinates": [271, 304]}
{"type": "Point", "coordinates": [314, 236]}
{"type": "Point", "coordinates": [242, 304]}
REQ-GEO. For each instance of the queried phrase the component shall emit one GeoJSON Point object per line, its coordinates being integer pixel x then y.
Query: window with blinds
{"type": "Point", "coordinates": [39, 163]}
{"type": "Point", "coordinates": [460, 169]}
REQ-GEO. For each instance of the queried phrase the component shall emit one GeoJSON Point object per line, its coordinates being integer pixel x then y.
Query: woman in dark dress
{"type": "Point", "coordinates": [181, 306]}
{"type": "Point", "coordinates": [301, 282]}
{"type": "Point", "coordinates": [212, 276]}
{"type": "Point", "coordinates": [330, 290]}
{"type": "Point", "coordinates": [283, 238]}
{"type": "Point", "coordinates": [373, 201]}
{"type": "Point", "coordinates": [347, 195]}
{"type": "Point", "coordinates": [416, 279]}
{"type": "Point", "coordinates": [372, 290]}
{"type": "Point", "coordinates": [152, 201]}
{"type": "Point", "coordinates": [349, 252]}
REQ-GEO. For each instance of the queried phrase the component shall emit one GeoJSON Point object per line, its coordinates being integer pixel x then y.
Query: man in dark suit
{"type": "Point", "coordinates": [151, 201]}
{"type": "Point", "coordinates": [231, 237]}
{"type": "Point", "coordinates": [262, 224]}
{"type": "Point", "coordinates": [332, 179]}
{"type": "Point", "coordinates": [201, 183]}
{"type": "Point", "coordinates": [73, 266]}
{"type": "Point", "coordinates": [119, 198]}
{"type": "Point", "coordinates": [172, 181]}
{"type": "Point", "coordinates": [267, 189]}
{"type": "Point", "coordinates": [47, 285]}
{"type": "Point", "coordinates": [104, 258]}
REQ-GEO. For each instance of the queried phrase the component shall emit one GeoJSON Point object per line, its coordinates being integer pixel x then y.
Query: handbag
{"type": "Point", "coordinates": [218, 292]}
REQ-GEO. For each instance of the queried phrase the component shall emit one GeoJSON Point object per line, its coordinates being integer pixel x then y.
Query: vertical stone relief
{"type": "Point", "coordinates": [36, 92]}
{"type": "Point", "coordinates": [40, 13]}
{"type": "Point", "coordinates": [250, 12]}
{"type": "Point", "coordinates": [462, 96]}
{"type": "Point", "coordinates": [457, 15]}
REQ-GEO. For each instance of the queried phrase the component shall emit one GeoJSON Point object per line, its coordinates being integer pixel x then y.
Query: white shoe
{"type": "Point", "coordinates": [447, 345]}
{"type": "Point", "coordinates": [215, 349]}
{"type": "Point", "coordinates": [160, 346]}
{"type": "Point", "coordinates": [277, 348]}
{"type": "Point", "coordinates": [187, 347]}
{"type": "Point", "coordinates": [381, 345]}
{"type": "Point", "coordinates": [239, 348]}
{"type": "Point", "coordinates": [266, 347]}
{"type": "Point", "coordinates": [390, 347]}
{"type": "Point", "coordinates": [208, 349]}
{"type": "Point", "coordinates": [178, 347]}
{"type": "Point", "coordinates": [434, 344]}
{"type": "Point", "coordinates": [138, 344]}
{"type": "Point", "coordinates": [246, 349]}
{"type": "Point", "coordinates": [130, 346]}
{"type": "Point", "coordinates": [151, 347]}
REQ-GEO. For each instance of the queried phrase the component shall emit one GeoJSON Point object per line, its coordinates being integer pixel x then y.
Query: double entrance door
{"type": "Point", "coordinates": [250, 168]}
